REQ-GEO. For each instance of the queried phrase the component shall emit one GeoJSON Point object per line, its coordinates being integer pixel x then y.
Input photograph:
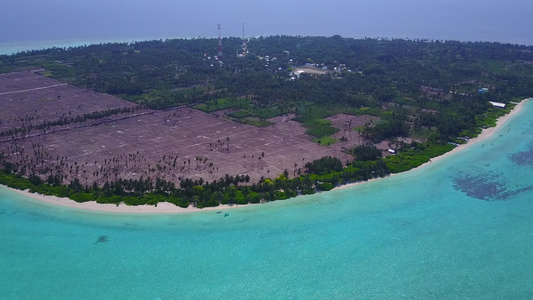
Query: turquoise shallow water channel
{"type": "Point", "coordinates": [459, 228]}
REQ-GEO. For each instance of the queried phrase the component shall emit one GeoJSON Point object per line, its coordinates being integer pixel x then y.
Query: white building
{"type": "Point", "coordinates": [497, 104]}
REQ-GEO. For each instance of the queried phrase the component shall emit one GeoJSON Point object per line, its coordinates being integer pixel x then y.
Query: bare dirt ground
{"type": "Point", "coordinates": [183, 143]}
{"type": "Point", "coordinates": [172, 145]}
{"type": "Point", "coordinates": [28, 98]}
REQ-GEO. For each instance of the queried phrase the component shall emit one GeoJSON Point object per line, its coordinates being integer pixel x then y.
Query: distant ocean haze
{"type": "Point", "coordinates": [33, 24]}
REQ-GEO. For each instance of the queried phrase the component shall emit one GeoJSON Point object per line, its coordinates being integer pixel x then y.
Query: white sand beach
{"type": "Point", "coordinates": [163, 207]}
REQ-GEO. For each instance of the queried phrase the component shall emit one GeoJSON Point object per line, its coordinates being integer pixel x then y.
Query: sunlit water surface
{"type": "Point", "coordinates": [460, 228]}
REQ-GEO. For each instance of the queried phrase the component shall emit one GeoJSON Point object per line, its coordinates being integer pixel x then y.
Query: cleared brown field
{"type": "Point", "coordinates": [171, 145]}
{"type": "Point", "coordinates": [184, 143]}
{"type": "Point", "coordinates": [27, 98]}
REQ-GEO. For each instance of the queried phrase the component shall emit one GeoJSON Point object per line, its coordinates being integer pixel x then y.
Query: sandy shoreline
{"type": "Point", "coordinates": [162, 207]}
{"type": "Point", "coordinates": [165, 207]}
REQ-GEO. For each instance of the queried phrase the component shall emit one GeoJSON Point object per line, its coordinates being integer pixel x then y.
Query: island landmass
{"type": "Point", "coordinates": [166, 123]}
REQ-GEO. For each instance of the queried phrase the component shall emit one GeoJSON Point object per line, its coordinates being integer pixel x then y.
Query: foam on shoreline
{"type": "Point", "coordinates": [165, 207]}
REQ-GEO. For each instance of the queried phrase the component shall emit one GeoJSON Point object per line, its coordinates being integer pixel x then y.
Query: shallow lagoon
{"type": "Point", "coordinates": [429, 233]}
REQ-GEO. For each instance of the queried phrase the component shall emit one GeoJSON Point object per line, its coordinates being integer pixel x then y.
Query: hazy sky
{"type": "Point", "coordinates": [485, 20]}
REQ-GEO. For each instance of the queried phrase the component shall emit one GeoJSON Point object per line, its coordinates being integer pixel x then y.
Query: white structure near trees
{"type": "Point", "coordinates": [497, 104]}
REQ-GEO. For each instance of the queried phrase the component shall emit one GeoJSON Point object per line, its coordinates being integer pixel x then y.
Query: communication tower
{"type": "Point", "coordinates": [219, 48]}
{"type": "Point", "coordinates": [244, 44]}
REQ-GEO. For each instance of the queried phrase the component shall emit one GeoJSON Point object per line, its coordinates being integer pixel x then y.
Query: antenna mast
{"type": "Point", "coordinates": [219, 48]}
{"type": "Point", "coordinates": [244, 43]}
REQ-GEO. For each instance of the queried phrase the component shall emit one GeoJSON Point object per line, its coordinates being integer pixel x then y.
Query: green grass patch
{"type": "Point", "coordinates": [320, 128]}
{"type": "Point", "coordinates": [307, 113]}
{"type": "Point", "coordinates": [223, 103]}
{"type": "Point", "coordinates": [240, 114]}
{"type": "Point", "coordinates": [312, 117]}
{"type": "Point", "coordinates": [256, 116]}
{"type": "Point", "coordinates": [325, 141]}
{"type": "Point", "coordinates": [372, 111]}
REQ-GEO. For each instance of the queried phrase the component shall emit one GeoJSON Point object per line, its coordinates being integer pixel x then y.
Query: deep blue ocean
{"type": "Point", "coordinates": [459, 228]}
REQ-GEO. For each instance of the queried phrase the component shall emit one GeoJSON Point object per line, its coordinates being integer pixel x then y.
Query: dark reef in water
{"type": "Point", "coordinates": [102, 239]}
{"type": "Point", "coordinates": [524, 158]}
{"type": "Point", "coordinates": [486, 187]}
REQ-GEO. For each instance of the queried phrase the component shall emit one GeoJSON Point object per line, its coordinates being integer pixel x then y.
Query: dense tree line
{"type": "Point", "coordinates": [324, 165]}
{"type": "Point", "coordinates": [322, 175]}
{"type": "Point", "coordinates": [366, 152]}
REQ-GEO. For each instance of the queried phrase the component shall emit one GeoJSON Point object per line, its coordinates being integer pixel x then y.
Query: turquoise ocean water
{"type": "Point", "coordinates": [16, 47]}
{"type": "Point", "coordinates": [460, 228]}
